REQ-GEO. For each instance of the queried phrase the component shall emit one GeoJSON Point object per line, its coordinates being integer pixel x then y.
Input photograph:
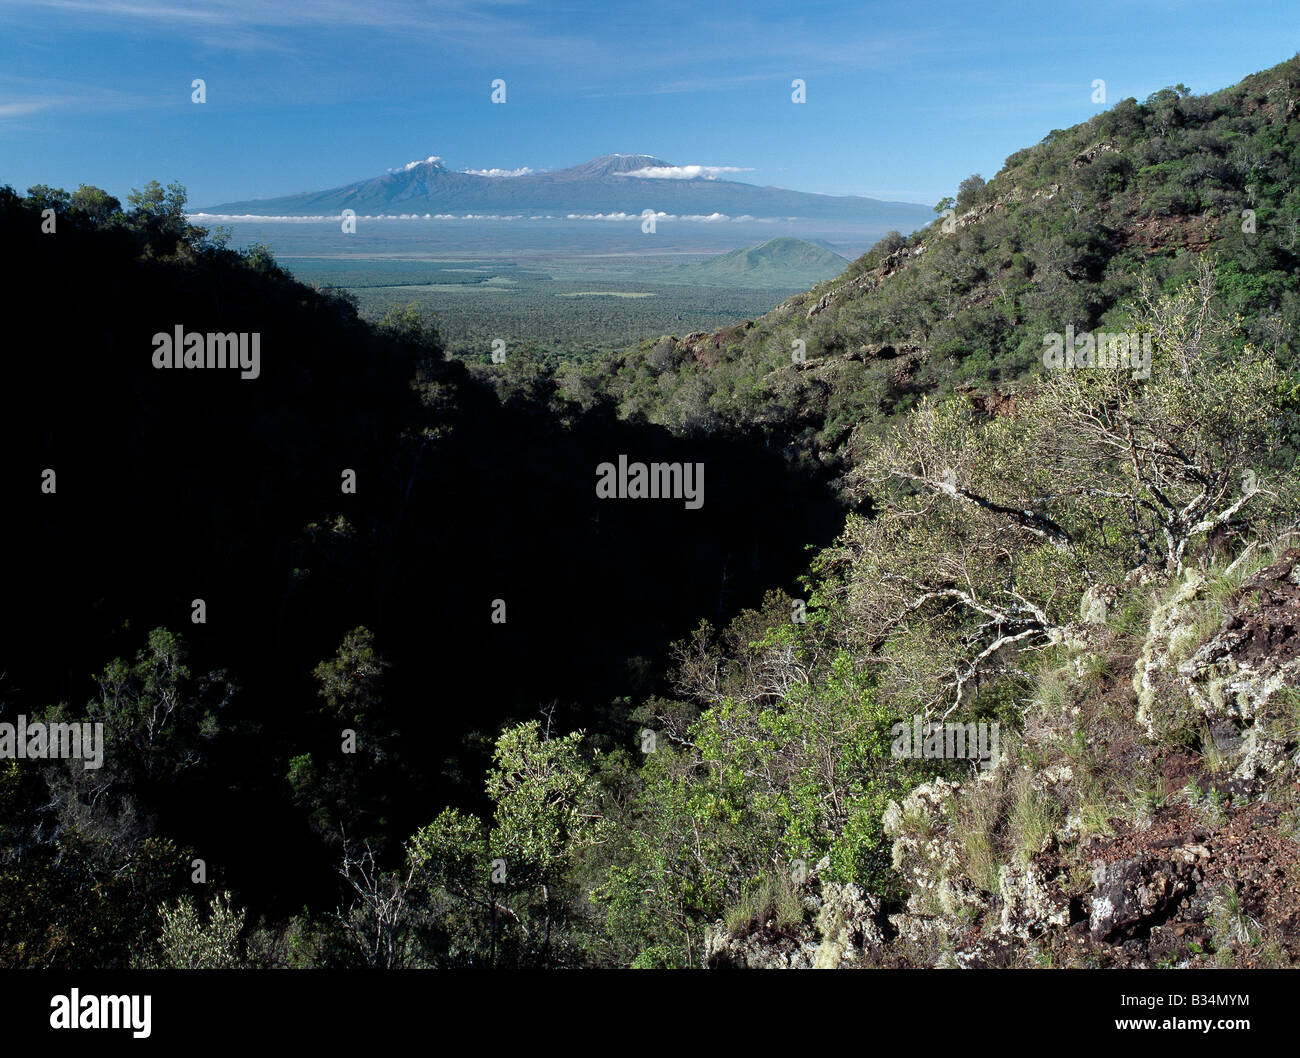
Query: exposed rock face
{"type": "Point", "coordinates": [1237, 675]}
{"type": "Point", "coordinates": [849, 924]}
{"type": "Point", "coordinates": [763, 949]}
{"type": "Point", "coordinates": [1033, 898]}
{"type": "Point", "coordinates": [1134, 894]}
{"type": "Point", "coordinates": [927, 852]}
{"type": "Point", "coordinates": [1253, 659]}
{"type": "Point", "coordinates": [1169, 626]}
{"type": "Point", "coordinates": [1186, 870]}
{"type": "Point", "coordinates": [842, 926]}
{"type": "Point", "coordinates": [1097, 604]}
{"type": "Point", "coordinates": [1090, 155]}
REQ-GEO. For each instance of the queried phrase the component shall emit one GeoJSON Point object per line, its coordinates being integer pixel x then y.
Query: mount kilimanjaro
{"type": "Point", "coordinates": [614, 183]}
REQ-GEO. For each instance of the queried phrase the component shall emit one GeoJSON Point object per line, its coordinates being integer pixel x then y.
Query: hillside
{"type": "Point", "coordinates": [971, 656]}
{"type": "Point", "coordinates": [778, 263]}
{"type": "Point", "coordinates": [322, 608]}
{"type": "Point", "coordinates": [1062, 236]}
{"type": "Point", "coordinates": [1099, 563]}
{"type": "Point", "coordinates": [602, 186]}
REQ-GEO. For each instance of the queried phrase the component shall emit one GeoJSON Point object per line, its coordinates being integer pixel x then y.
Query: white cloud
{"type": "Point", "coordinates": [433, 159]}
{"type": "Point", "coordinates": [699, 218]}
{"type": "Point", "coordinates": [503, 173]}
{"type": "Point", "coordinates": [685, 172]}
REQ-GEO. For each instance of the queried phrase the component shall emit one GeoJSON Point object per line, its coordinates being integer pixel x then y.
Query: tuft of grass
{"type": "Point", "coordinates": [1034, 817]}
{"type": "Point", "coordinates": [1081, 751]}
{"type": "Point", "coordinates": [1207, 610]}
{"type": "Point", "coordinates": [1283, 720]}
{"type": "Point", "coordinates": [1211, 807]}
{"type": "Point", "coordinates": [1210, 753]}
{"type": "Point", "coordinates": [1230, 927]}
{"type": "Point", "coordinates": [1097, 668]}
{"type": "Point", "coordinates": [1146, 800]}
{"type": "Point", "coordinates": [1095, 812]}
{"type": "Point", "coordinates": [1053, 689]}
{"type": "Point", "coordinates": [1132, 617]}
{"type": "Point", "coordinates": [918, 822]}
{"type": "Point", "coordinates": [979, 840]}
{"type": "Point", "coordinates": [772, 901]}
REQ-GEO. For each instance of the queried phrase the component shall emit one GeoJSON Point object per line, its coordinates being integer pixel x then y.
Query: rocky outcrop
{"type": "Point", "coordinates": [841, 928]}
{"type": "Point", "coordinates": [1134, 894]}
{"type": "Point", "coordinates": [1254, 659]}
{"type": "Point", "coordinates": [927, 854]}
{"type": "Point", "coordinates": [1034, 898]}
{"type": "Point", "coordinates": [1238, 676]}
{"type": "Point", "coordinates": [1191, 864]}
{"type": "Point", "coordinates": [1171, 626]}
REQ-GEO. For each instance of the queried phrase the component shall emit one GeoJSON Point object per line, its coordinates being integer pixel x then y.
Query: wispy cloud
{"type": "Point", "coordinates": [21, 97]}
{"type": "Point", "coordinates": [29, 106]}
{"type": "Point", "coordinates": [484, 27]}
{"type": "Point", "coordinates": [503, 173]}
{"type": "Point", "coordinates": [686, 172]}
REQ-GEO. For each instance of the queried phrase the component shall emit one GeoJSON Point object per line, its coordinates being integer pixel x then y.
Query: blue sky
{"type": "Point", "coordinates": [903, 99]}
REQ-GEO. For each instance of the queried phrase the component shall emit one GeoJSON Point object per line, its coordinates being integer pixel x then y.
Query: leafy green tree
{"type": "Point", "coordinates": [340, 785]}
{"type": "Point", "coordinates": [505, 892]}
{"type": "Point", "coordinates": [413, 324]}
{"type": "Point", "coordinates": [155, 205]}
{"type": "Point", "coordinates": [1183, 455]}
{"type": "Point", "coordinates": [95, 203]}
{"type": "Point", "coordinates": [970, 192]}
{"type": "Point", "coordinates": [261, 258]}
{"type": "Point", "coordinates": [42, 196]}
{"type": "Point", "coordinates": [157, 718]}
{"type": "Point", "coordinates": [187, 942]}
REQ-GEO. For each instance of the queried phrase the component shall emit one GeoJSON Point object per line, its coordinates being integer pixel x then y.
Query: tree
{"type": "Point", "coordinates": [413, 324]}
{"type": "Point", "coordinates": [377, 921]}
{"type": "Point", "coordinates": [42, 196]}
{"type": "Point", "coordinates": [159, 213]}
{"type": "Point", "coordinates": [338, 783]}
{"type": "Point", "coordinates": [154, 204]}
{"type": "Point", "coordinates": [95, 203]}
{"type": "Point", "coordinates": [988, 529]}
{"type": "Point", "coordinates": [539, 786]}
{"type": "Point", "coordinates": [970, 192]}
{"type": "Point", "coordinates": [1178, 454]}
{"type": "Point", "coordinates": [157, 720]}
{"type": "Point", "coordinates": [186, 942]}
{"type": "Point", "coordinates": [350, 681]}
{"type": "Point", "coordinates": [504, 894]}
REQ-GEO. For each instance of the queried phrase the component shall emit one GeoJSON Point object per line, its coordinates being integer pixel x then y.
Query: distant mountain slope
{"type": "Point", "coordinates": [603, 185]}
{"type": "Point", "coordinates": [778, 263]}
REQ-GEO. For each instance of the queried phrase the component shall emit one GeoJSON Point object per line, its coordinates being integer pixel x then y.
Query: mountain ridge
{"type": "Point", "coordinates": [600, 185]}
